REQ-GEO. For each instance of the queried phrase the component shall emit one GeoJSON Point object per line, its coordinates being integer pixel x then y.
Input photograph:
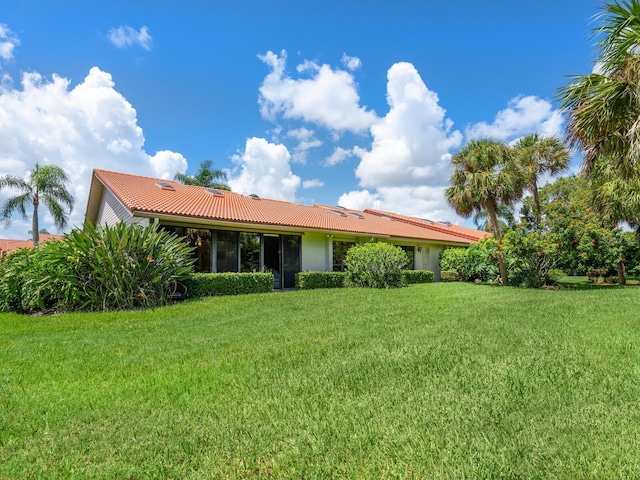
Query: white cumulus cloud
{"type": "Point", "coordinates": [523, 115]}
{"type": "Point", "coordinates": [306, 141]}
{"type": "Point", "coordinates": [8, 42]}
{"type": "Point", "coordinates": [408, 166]}
{"type": "Point", "coordinates": [422, 202]}
{"type": "Point", "coordinates": [352, 63]}
{"type": "Point", "coordinates": [339, 155]}
{"type": "Point", "coordinates": [125, 36]}
{"type": "Point", "coordinates": [411, 144]}
{"type": "Point", "coordinates": [315, 183]}
{"type": "Point", "coordinates": [328, 98]}
{"type": "Point", "coordinates": [77, 128]}
{"type": "Point", "coordinates": [265, 169]}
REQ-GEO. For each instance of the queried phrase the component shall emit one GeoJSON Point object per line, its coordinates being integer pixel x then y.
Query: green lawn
{"type": "Point", "coordinates": [430, 381]}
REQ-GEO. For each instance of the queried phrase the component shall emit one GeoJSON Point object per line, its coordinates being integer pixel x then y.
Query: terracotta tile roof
{"type": "Point", "coordinates": [7, 245]}
{"type": "Point", "coordinates": [146, 196]}
{"type": "Point", "coordinates": [445, 227]}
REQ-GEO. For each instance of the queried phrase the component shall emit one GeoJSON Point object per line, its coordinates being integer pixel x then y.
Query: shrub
{"type": "Point", "coordinates": [448, 275]}
{"type": "Point", "coordinates": [377, 265]}
{"type": "Point", "coordinates": [477, 262]}
{"type": "Point", "coordinates": [124, 266]}
{"type": "Point", "coordinates": [311, 280]}
{"type": "Point", "coordinates": [216, 284]}
{"type": "Point", "coordinates": [418, 276]}
{"type": "Point", "coordinates": [102, 268]}
{"type": "Point", "coordinates": [455, 260]}
{"type": "Point", "coordinates": [555, 275]}
{"type": "Point", "coordinates": [12, 270]}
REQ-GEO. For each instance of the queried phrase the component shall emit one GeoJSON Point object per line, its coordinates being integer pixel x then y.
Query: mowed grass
{"type": "Point", "coordinates": [429, 381]}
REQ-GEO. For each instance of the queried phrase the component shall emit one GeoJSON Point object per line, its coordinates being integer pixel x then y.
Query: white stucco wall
{"type": "Point", "coordinates": [316, 252]}
{"type": "Point", "coordinates": [111, 211]}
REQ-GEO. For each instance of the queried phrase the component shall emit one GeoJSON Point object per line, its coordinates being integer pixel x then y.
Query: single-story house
{"type": "Point", "coordinates": [7, 245]}
{"type": "Point", "coordinates": [244, 233]}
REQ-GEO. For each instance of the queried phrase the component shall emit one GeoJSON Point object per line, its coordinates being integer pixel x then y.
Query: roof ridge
{"type": "Point", "coordinates": [421, 223]}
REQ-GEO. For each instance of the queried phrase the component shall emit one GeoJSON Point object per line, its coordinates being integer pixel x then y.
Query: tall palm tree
{"type": "Point", "coordinates": [603, 108]}
{"type": "Point", "coordinates": [539, 155]}
{"type": "Point", "coordinates": [46, 184]}
{"type": "Point", "coordinates": [485, 176]}
{"type": "Point", "coordinates": [206, 176]}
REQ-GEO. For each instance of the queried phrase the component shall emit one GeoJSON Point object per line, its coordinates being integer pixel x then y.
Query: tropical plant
{"type": "Point", "coordinates": [533, 254]}
{"type": "Point", "coordinates": [206, 176]}
{"type": "Point", "coordinates": [603, 107]}
{"type": "Point", "coordinates": [46, 184]}
{"type": "Point", "coordinates": [506, 219]}
{"type": "Point", "coordinates": [485, 176]}
{"type": "Point", "coordinates": [539, 155]}
{"type": "Point", "coordinates": [120, 267]}
{"type": "Point", "coordinates": [604, 114]}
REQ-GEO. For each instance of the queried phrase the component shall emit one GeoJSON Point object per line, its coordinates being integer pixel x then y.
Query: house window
{"type": "Point", "coordinates": [411, 255]}
{"type": "Point", "coordinates": [200, 240]}
{"type": "Point", "coordinates": [339, 254]}
{"type": "Point", "coordinates": [249, 252]}
{"type": "Point", "coordinates": [226, 251]}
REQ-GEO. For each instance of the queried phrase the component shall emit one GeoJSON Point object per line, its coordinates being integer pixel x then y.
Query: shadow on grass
{"type": "Point", "coordinates": [583, 283]}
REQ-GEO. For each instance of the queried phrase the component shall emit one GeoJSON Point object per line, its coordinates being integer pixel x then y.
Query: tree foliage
{"type": "Point", "coordinates": [46, 184]}
{"type": "Point", "coordinates": [206, 176]}
{"type": "Point", "coordinates": [486, 175]}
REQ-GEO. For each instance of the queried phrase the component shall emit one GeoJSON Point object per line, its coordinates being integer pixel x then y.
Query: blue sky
{"type": "Point", "coordinates": [353, 103]}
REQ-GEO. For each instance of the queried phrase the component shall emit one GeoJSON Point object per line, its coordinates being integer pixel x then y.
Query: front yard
{"type": "Point", "coordinates": [429, 381]}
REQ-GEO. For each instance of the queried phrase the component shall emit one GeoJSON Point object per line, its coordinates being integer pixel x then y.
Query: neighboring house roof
{"type": "Point", "coordinates": [147, 197]}
{"type": "Point", "coordinates": [7, 245]}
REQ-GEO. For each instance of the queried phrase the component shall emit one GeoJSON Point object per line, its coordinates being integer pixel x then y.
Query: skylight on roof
{"type": "Point", "coordinates": [337, 212]}
{"type": "Point", "coordinates": [254, 196]}
{"type": "Point", "coordinates": [355, 214]}
{"type": "Point", "coordinates": [165, 186]}
{"type": "Point", "coordinates": [215, 192]}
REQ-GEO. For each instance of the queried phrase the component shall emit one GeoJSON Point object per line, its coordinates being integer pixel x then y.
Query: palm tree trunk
{"type": "Point", "coordinates": [35, 229]}
{"type": "Point", "coordinates": [493, 217]}
{"type": "Point", "coordinates": [536, 201]}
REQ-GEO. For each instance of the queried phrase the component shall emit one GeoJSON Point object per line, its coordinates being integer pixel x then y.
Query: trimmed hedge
{"type": "Point", "coordinates": [448, 276]}
{"type": "Point", "coordinates": [311, 280]}
{"type": "Point", "coordinates": [216, 284]}
{"type": "Point", "coordinates": [418, 276]}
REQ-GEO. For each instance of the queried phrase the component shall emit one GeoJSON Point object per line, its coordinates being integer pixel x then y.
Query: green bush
{"type": "Point", "coordinates": [102, 268]}
{"type": "Point", "coordinates": [448, 275]}
{"type": "Point", "coordinates": [477, 262]}
{"type": "Point", "coordinates": [418, 276]}
{"type": "Point", "coordinates": [311, 280]}
{"type": "Point", "coordinates": [124, 266]}
{"type": "Point", "coordinates": [12, 274]}
{"type": "Point", "coordinates": [215, 284]}
{"type": "Point", "coordinates": [555, 275]}
{"type": "Point", "coordinates": [377, 265]}
{"type": "Point", "coordinates": [455, 260]}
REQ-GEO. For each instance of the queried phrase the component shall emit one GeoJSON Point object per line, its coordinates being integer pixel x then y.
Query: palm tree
{"type": "Point", "coordinates": [46, 184]}
{"type": "Point", "coordinates": [506, 219]}
{"type": "Point", "coordinates": [485, 176]}
{"type": "Point", "coordinates": [205, 177]}
{"type": "Point", "coordinates": [603, 107]}
{"type": "Point", "coordinates": [539, 155]}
